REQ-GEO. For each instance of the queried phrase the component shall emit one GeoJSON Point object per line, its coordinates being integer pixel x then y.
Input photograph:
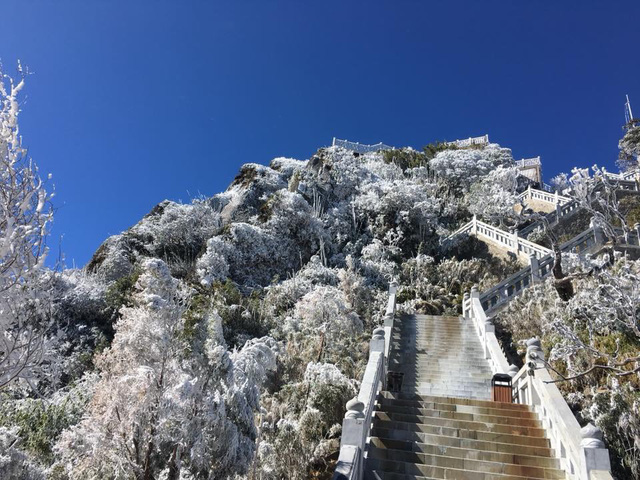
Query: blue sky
{"type": "Point", "coordinates": [133, 102]}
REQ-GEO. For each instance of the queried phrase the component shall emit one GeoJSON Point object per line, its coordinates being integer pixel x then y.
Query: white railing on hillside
{"type": "Point", "coordinates": [359, 147]}
{"type": "Point", "coordinates": [623, 181]}
{"type": "Point", "coordinates": [543, 196]}
{"type": "Point", "coordinates": [509, 241]}
{"type": "Point", "coordinates": [529, 162]}
{"type": "Point", "coordinates": [581, 451]}
{"type": "Point", "coordinates": [537, 270]}
{"type": "Point", "coordinates": [467, 142]}
{"type": "Point", "coordinates": [472, 310]}
{"type": "Point", "coordinates": [562, 210]}
{"type": "Point", "coordinates": [356, 425]}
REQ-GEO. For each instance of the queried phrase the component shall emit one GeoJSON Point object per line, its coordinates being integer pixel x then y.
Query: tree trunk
{"type": "Point", "coordinates": [562, 284]}
{"type": "Point", "coordinates": [174, 464]}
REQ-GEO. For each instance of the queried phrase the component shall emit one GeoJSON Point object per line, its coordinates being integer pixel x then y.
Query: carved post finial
{"type": "Point", "coordinates": [378, 333]}
{"type": "Point", "coordinates": [591, 437]}
{"type": "Point", "coordinates": [535, 354]}
{"type": "Point", "coordinates": [513, 370]}
{"type": "Point", "coordinates": [355, 408]}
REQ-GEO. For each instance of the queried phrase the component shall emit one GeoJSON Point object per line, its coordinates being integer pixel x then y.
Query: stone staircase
{"type": "Point", "coordinates": [441, 424]}
{"type": "Point", "coordinates": [439, 356]}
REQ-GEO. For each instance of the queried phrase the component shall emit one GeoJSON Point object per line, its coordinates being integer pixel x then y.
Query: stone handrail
{"type": "Point", "coordinates": [561, 211]}
{"type": "Point", "coordinates": [547, 197]}
{"type": "Point", "coordinates": [357, 421]}
{"type": "Point", "coordinates": [511, 242]}
{"type": "Point", "coordinates": [529, 162]}
{"type": "Point", "coordinates": [359, 147]}
{"type": "Point", "coordinates": [538, 269]}
{"type": "Point", "coordinates": [467, 142]}
{"type": "Point", "coordinates": [581, 452]}
{"type": "Point", "coordinates": [472, 309]}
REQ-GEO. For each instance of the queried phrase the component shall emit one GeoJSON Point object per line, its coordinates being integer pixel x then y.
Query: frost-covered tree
{"type": "Point", "coordinates": [325, 311]}
{"type": "Point", "coordinates": [25, 215]}
{"type": "Point", "coordinates": [494, 196]}
{"type": "Point", "coordinates": [162, 407]}
{"type": "Point", "coordinates": [629, 146]}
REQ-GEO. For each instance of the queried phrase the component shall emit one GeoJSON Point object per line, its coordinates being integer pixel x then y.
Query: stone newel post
{"type": "Point", "coordinates": [535, 268]}
{"type": "Point", "coordinates": [595, 455]}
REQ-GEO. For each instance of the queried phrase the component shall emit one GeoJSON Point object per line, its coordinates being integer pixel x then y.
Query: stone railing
{"type": "Point", "coordinates": [467, 142]}
{"type": "Point", "coordinates": [357, 421]}
{"type": "Point", "coordinates": [529, 162]}
{"type": "Point", "coordinates": [581, 452]}
{"type": "Point", "coordinates": [472, 310]}
{"type": "Point", "coordinates": [561, 211]}
{"type": "Point", "coordinates": [537, 270]}
{"type": "Point", "coordinates": [543, 196]}
{"type": "Point", "coordinates": [359, 147]}
{"type": "Point", "coordinates": [509, 241]}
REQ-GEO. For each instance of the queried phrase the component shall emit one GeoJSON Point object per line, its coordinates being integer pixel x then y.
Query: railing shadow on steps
{"type": "Point", "coordinates": [357, 421]}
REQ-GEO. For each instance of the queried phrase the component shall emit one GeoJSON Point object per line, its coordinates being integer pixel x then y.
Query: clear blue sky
{"type": "Point", "coordinates": [136, 101]}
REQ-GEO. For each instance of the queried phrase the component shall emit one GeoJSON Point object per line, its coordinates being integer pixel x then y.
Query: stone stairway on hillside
{"type": "Point", "coordinates": [439, 356]}
{"type": "Point", "coordinates": [441, 424]}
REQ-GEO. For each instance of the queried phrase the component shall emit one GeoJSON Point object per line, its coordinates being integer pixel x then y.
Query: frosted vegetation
{"type": "Point", "coordinates": [222, 338]}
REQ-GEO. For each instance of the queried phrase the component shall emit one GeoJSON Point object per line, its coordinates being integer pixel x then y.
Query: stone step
{"type": "Point", "coordinates": [469, 444]}
{"type": "Point", "coordinates": [475, 417]}
{"type": "Point", "coordinates": [469, 384]}
{"type": "Point", "coordinates": [450, 366]}
{"type": "Point", "coordinates": [451, 407]}
{"type": "Point", "coordinates": [448, 375]}
{"type": "Point", "coordinates": [474, 454]}
{"type": "Point", "coordinates": [478, 426]}
{"type": "Point", "coordinates": [452, 400]}
{"type": "Point", "coordinates": [444, 391]}
{"type": "Point", "coordinates": [438, 466]}
{"type": "Point", "coordinates": [427, 360]}
{"type": "Point", "coordinates": [462, 372]}
{"type": "Point", "coordinates": [446, 379]}
{"type": "Point", "coordinates": [487, 436]}
{"type": "Point", "coordinates": [462, 390]}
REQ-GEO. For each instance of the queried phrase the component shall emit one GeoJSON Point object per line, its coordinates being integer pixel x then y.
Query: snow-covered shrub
{"type": "Point", "coordinates": [325, 310]}
{"type": "Point", "coordinates": [15, 463]}
{"type": "Point", "coordinates": [213, 266]}
{"type": "Point", "coordinates": [461, 168]}
{"type": "Point", "coordinates": [200, 411]}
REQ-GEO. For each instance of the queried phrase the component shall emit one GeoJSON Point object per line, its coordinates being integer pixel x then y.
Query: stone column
{"type": "Point", "coordinates": [535, 356]}
{"type": "Point", "coordinates": [594, 454]}
{"type": "Point", "coordinates": [636, 227]}
{"type": "Point", "coordinates": [514, 239]}
{"type": "Point", "coordinates": [377, 344]}
{"type": "Point", "coordinates": [535, 268]}
{"type": "Point", "coordinates": [597, 232]}
{"type": "Point", "coordinates": [474, 225]}
{"type": "Point", "coordinates": [465, 311]}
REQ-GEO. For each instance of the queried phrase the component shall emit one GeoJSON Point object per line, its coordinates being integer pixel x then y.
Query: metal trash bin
{"type": "Point", "coordinates": [501, 389]}
{"type": "Point", "coordinates": [394, 381]}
